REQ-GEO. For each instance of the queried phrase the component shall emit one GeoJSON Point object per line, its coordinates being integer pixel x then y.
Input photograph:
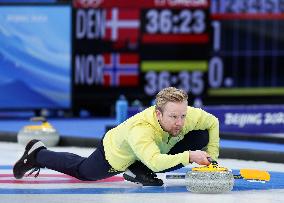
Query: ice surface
{"type": "Point", "coordinates": [121, 191]}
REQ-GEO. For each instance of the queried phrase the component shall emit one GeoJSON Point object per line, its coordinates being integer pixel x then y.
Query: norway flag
{"type": "Point", "coordinates": [121, 70]}
{"type": "Point", "coordinates": [122, 25]}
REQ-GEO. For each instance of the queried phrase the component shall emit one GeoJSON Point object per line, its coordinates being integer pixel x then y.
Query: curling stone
{"type": "Point", "coordinates": [44, 132]}
{"type": "Point", "coordinates": [209, 179]}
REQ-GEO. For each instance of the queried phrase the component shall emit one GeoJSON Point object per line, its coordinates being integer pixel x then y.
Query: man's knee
{"type": "Point", "coordinates": [193, 140]}
{"type": "Point", "coordinates": [203, 137]}
{"type": "Point", "coordinates": [198, 139]}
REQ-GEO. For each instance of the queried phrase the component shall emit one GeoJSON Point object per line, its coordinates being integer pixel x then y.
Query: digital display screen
{"type": "Point", "coordinates": [138, 48]}
{"type": "Point", "coordinates": [169, 53]}
{"type": "Point", "coordinates": [35, 56]}
{"type": "Point", "coordinates": [247, 48]}
{"type": "Point", "coordinates": [218, 51]}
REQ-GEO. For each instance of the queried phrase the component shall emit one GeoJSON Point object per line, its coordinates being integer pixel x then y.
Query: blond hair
{"type": "Point", "coordinates": [169, 94]}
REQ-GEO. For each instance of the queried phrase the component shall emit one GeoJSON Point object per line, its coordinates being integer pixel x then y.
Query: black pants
{"type": "Point", "coordinates": [96, 167]}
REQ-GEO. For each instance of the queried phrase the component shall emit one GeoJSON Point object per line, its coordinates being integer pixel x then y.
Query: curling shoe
{"type": "Point", "coordinates": [140, 174]}
{"type": "Point", "coordinates": [28, 161]}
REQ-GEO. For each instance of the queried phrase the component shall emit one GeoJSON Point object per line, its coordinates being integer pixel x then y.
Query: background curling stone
{"type": "Point", "coordinates": [44, 132]}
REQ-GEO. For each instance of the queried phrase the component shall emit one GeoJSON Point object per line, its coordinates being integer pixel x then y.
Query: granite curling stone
{"type": "Point", "coordinates": [44, 132]}
{"type": "Point", "coordinates": [209, 179]}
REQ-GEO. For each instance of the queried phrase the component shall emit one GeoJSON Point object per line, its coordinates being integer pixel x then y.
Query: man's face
{"type": "Point", "coordinates": [173, 116]}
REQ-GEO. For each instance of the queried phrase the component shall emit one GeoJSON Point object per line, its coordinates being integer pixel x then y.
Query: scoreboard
{"type": "Point", "coordinates": [221, 51]}
{"type": "Point", "coordinates": [136, 48]}
{"type": "Point", "coordinates": [247, 51]}
{"type": "Point", "coordinates": [169, 53]}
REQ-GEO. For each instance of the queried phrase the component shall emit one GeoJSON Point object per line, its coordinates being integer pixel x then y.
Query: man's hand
{"type": "Point", "coordinates": [199, 157]}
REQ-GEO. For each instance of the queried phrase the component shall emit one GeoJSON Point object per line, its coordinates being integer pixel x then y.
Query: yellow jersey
{"type": "Point", "coordinates": [141, 138]}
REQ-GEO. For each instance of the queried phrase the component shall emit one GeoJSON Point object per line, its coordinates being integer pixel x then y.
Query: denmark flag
{"type": "Point", "coordinates": [122, 25]}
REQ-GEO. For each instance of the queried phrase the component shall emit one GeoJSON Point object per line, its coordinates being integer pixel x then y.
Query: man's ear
{"type": "Point", "coordinates": [158, 114]}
